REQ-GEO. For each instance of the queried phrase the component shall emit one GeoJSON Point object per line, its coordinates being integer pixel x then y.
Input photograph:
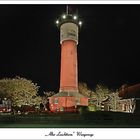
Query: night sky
{"type": "Point", "coordinates": [108, 50]}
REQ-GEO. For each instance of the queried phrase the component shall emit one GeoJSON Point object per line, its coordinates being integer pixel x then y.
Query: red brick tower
{"type": "Point", "coordinates": [69, 41]}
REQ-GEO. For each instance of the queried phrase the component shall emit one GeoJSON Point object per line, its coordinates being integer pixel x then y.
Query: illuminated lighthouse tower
{"type": "Point", "coordinates": [68, 97]}
{"type": "Point", "coordinates": [69, 27]}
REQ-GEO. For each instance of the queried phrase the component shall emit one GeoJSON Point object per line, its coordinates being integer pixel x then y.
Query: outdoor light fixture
{"type": "Point", "coordinates": [64, 16]}
{"type": "Point", "coordinates": [57, 21]}
{"type": "Point", "coordinates": [74, 17]}
{"type": "Point", "coordinates": [80, 23]}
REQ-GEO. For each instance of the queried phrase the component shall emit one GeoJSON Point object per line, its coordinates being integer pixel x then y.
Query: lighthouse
{"type": "Point", "coordinates": [69, 29]}
{"type": "Point", "coordinates": [68, 97]}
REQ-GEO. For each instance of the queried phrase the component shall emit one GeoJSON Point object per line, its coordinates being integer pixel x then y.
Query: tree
{"type": "Point", "coordinates": [20, 90]}
{"type": "Point", "coordinates": [49, 93]}
{"type": "Point", "coordinates": [45, 101]}
{"type": "Point", "coordinates": [84, 90]}
{"type": "Point", "coordinates": [114, 101]}
{"type": "Point", "coordinates": [102, 93]}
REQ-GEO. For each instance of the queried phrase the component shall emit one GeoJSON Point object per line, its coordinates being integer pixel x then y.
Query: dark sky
{"type": "Point", "coordinates": [108, 50]}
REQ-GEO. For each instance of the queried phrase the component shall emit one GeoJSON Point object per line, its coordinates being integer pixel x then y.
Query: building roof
{"type": "Point", "coordinates": [130, 92]}
{"type": "Point", "coordinates": [70, 94]}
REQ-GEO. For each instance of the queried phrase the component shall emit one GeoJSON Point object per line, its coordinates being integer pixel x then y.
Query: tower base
{"type": "Point", "coordinates": [67, 101]}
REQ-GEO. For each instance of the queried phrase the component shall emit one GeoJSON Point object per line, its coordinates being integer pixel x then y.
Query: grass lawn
{"type": "Point", "coordinates": [87, 120]}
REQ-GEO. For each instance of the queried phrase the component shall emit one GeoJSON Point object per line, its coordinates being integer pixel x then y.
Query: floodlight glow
{"type": "Point", "coordinates": [57, 21]}
{"type": "Point", "coordinates": [64, 16]}
{"type": "Point", "coordinates": [74, 17]}
{"type": "Point", "coordinates": [80, 22]}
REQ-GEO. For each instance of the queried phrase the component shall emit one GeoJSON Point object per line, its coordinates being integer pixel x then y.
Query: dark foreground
{"type": "Point", "coordinates": [86, 120]}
